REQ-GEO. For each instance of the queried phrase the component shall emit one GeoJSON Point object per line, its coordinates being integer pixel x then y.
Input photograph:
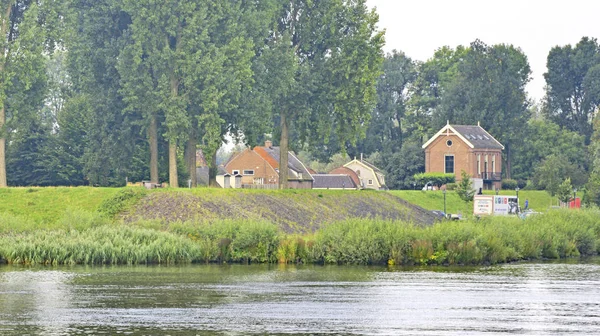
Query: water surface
{"type": "Point", "coordinates": [534, 299]}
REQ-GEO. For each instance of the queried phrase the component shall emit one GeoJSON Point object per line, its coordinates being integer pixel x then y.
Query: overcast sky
{"type": "Point", "coordinates": [419, 27]}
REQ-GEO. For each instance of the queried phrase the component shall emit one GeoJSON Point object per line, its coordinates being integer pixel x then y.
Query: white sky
{"type": "Point", "coordinates": [419, 27]}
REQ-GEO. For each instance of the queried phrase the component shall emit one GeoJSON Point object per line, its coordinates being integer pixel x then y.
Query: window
{"type": "Point", "coordinates": [478, 164]}
{"type": "Point", "coordinates": [449, 164]}
{"type": "Point", "coordinates": [235, 172]}
{"type": "Point", "coordinates": [248, 172]}
{"type": "Point", "coordinates": [494, 164]}
{"type": "Point", "coordinates": [370, 182]}
{"type": "Point", "coordinates": [259, 180]}
{"type": "Point", "coordinates": [449, 143]}
{"type": "Point", "coordinates": [485, 167]}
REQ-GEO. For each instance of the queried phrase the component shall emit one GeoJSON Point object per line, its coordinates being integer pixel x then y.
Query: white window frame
{"type": "Point", "coordinates": [478, 164]}
{"type": "Point", "coordinates": [235, 172]}
{"type": "Point", "coordinates": [248, 170]}
{"type": "Point", "coordinates": [494, 164]}
{"type": "Point", "coordinates": [370, 182]}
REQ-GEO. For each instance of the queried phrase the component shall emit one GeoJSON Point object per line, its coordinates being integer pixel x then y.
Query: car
{"type": "Point", "coordinates": [528, 213]}
{"type": "Point", "coordinates": [428, 186]}
{"type": "Point", "coordinates": [439, 214]}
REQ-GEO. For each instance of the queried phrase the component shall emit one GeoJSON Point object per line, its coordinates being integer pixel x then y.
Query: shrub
{"type": "Point", "coordinates": [509, 184]}
{"type": "Point", "coordinates": [465, 187]}
{"type": "Point", "coordinates": [451, 186]}
{"type": "Point", "coordinates": [438, 179]}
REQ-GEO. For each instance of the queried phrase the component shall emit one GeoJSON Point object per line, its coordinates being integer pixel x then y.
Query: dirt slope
{"type": "Point", "coordinates": [293, 211]}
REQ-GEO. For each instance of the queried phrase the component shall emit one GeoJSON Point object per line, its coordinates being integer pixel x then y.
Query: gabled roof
{"type": "Point", "coordinates": [333, 181]}
{"type": "Point", "coordinates": [473, 136]}
{"type": "Point", "coordinates": [271, 155]}
{"type": "Point", "coordinates": [376, 171]}
{"type": "Point", "coordinates": [346, 171]}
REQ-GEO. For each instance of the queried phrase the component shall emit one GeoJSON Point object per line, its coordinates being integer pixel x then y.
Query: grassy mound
{"type": "Point", "coordinates": [291, 210]}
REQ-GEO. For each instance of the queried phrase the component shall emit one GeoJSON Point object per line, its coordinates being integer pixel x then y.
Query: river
{"type": "Point", "coordinates": [523, 298]}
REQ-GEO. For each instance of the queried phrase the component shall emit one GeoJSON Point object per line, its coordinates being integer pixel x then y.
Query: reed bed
{"type": "Point", "coordinates": [88, 238]}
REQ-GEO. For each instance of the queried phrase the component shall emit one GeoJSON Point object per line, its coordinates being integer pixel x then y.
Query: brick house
{"type": "Point", "coordinates": [259, 168]}
{"type": "Point", "coordinates": [470, 148]}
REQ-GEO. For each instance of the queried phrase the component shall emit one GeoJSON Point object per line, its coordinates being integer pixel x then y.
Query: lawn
{"type": "Point", "coordinates": [45, 205]}
{"type": "Point", "coordinates": [434, 200]}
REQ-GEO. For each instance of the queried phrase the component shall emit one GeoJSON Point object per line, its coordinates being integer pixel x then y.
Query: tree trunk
{"type": "Point", "coordinates": [2, 150]}
{"type": "Point", "coordinates": [190, 157]}
{"type": "Point", "coordinates": [508, 163]}
{"type": "Point", "coordinates": [283, 153]}
{"type": "Point", "coordinates": [173, 182]}
{"type": "Point", "coordinates": [153, 142]}
{"type": "Point", "coordinates": [212, 171]}
{"type": "Point", "coordinates": [3, 52]}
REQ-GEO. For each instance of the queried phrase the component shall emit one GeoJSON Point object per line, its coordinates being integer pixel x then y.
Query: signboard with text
{"type": "Point", "coordinates": [483, 205]}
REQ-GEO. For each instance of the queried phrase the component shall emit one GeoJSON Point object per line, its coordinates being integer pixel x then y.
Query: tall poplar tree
{"type": "Point", "coordinates": [322, 61]}
{"type": "Point", "coordinates": [184, 60]}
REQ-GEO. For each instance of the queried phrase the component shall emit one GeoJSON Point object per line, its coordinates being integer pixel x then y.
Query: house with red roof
{"type": "Point", "coordinates": [259, 168]}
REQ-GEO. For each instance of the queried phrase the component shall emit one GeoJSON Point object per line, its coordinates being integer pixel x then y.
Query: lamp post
{"type": "Point", "coordinates": [517, 190]}
{"type": "Point", "coordinates": [444, 192]}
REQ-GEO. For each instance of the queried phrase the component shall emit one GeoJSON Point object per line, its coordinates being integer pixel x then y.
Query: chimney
{"type": "Point", "coordinates": [268, 143]}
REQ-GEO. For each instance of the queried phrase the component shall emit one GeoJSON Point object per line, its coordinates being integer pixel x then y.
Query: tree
{"type": "Point", "coordinates": [322, 61]}
{"type": "Point", "coordinates": [465, 187]}
{"type": "Point", "coordinates": [433, 79]}
{"type": "Point", "coordinates": [592, 188]}
{"type": "Point", "coordinates": [22, 69]}
{"type": "Point", "coordinates": [401, 166]}
{"type": "Point", "coordinates": [543, 138]}
{"type": "Point", "coordinates": [573, 85]}
{"type": "Point", "coordinates": [489, 87]}
{"type": "Point", "coordinates": [386, 131]}
{"type": "Point", "coordinates": [553, 170]}
{"type": "Point", "coordinates": [185, 60]}
{"type": "Point", "coordinates": [564, 191]}
{"type": "Point", "coordinates": [97, 132]}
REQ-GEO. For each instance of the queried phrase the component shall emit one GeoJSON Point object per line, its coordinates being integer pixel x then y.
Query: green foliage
{"type": "Point", "coordinates": [86, 238]}
{"type": "Point", "coordinates": [451, 186]}
{"type": "Point", "coordinates": [573, 85]}
{"type": "Point", "coordinates": [552, 172]}
{"type": "Point", "coordinates": [437, 179]}
{"type": "Point", "coordinates": [542, 139]}
{"type": "Point", "coordinates": [465, 187]}
{"type": "Point", "coordinates": [96, 246]}
{"type": "Point", "coordinates": [111, 207]}
{"type": "Point", "coordinates": [564, 191]}
{"type": "Point", "coordinates": [509, 184]}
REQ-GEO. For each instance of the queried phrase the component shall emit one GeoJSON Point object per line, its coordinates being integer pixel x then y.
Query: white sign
{"type": "Point", "coordinates": [505, 205]}
{"type": "Point", "coordinates": [483, 205]}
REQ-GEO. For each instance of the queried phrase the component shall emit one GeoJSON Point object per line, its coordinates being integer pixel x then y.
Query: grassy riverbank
{"type": "Point", "coordinates": [89, 238]}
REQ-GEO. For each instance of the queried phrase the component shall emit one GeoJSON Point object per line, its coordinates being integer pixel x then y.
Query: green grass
{"type": "Point", "coordinates": [46, 205]}
{"type": "Point", "coordinates": [434, 200]}
{"type": "Point", "coordinates": [87, 239]}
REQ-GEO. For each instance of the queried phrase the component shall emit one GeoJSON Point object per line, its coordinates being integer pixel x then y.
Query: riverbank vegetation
{"type": "Point", "coordinates": [82, 237]}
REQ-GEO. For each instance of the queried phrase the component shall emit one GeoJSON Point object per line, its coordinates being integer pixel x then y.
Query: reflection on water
{"type": "Point", "coordinates": [536, 299]}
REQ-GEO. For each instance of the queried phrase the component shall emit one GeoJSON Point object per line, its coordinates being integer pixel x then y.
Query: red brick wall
{"type": "Point", "coordinates": [465, 158]}
{"type": "Point", "coordinates": [249, 160]}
